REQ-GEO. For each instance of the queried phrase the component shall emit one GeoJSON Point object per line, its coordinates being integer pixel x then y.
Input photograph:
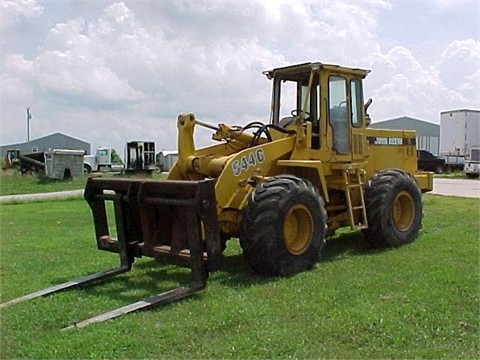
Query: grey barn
{"type": "Point", "coordinates": [428, 134]}
{"type": "Point", "coordinates": [49, 142]}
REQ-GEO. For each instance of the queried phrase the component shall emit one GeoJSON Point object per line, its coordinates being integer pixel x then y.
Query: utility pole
{"type": "Point", "coordinates": [29, 116]}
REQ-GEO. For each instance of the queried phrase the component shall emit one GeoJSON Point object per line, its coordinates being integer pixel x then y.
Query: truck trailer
{"type": "Point", "coordinates": [459, 132]}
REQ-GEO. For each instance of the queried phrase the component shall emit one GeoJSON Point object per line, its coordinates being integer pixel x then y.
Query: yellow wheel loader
{"type": "Point", "coordinates": [280, 187]}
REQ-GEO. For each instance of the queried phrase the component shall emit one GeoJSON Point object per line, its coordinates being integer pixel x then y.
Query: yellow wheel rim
{"type": "Point", "coordinates": [297, 229]}
{"type": "Point", "coordinates": [403, 211]}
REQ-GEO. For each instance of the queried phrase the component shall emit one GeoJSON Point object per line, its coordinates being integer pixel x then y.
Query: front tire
{"type": "Point", "coordinates": [283, 226]}
{"type": "Point", "coordinates": [394, 208]}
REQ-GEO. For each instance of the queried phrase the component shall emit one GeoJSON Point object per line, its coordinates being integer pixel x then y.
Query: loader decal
{"type": "Point", "coordinates": [248, 161]}
{"type": "Point", "coordinates": [390, 141]}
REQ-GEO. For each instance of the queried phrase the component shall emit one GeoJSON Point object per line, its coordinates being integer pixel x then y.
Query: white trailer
{"type": "Point", "coordinates": [64, 164]}
{"type": "Point", "coordinates": [459, 132]}
{"type": "Point", "coordinates": [166, 160]}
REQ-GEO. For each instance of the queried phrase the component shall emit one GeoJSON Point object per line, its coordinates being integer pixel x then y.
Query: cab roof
{"type": "Point", "coordinates": [293, 71]}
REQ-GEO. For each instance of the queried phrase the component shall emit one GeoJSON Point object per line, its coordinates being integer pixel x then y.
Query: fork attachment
{"type": "Point", "coordinates": [126, 260]}
{"type": "Point", "coordinates": [171, 221]}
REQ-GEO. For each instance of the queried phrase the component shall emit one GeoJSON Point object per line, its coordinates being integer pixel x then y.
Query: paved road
{"type": "Point", "coordinates": [34, 197]}
{"type": "Point", "coordinates": [441, 186]}
{"type": "Point", "coordinates": [456, 187]}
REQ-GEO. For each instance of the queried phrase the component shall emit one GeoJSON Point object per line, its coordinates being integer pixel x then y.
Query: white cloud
{"type": "Point", "coordinates": [133, 66]}
{"type": "Point", "coordinates": [72, 64]}
{"type": "Point", "coordinates": [445, 5]}
{"type": "Point", "coordinates": [404, 86]}
{"type": "Point", "coordinates": [13, 11]}
{"type": "Point", "coordinates": [460, 65]}
{"type": "Point", "coordinates": [16, 64]}
{"type": "Point", "coordinates": [74, 75]}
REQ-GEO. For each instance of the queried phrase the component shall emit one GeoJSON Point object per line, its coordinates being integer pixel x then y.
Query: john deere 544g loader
{"type": "Point", "coordinates": [279, 187]}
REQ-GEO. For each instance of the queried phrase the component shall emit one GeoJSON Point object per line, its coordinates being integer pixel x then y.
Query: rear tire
{"type": "Point", "coordinates": [283, 226]}
{"type": "Point", "coordinates": [394, 208]}
{"type": "Point", "coordinates": [439, 169]}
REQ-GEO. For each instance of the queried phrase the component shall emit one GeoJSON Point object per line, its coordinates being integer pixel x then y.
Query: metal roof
{"type": "Point", "coordinates": [422, 127]}
{"type": "Point", "coordinates": [313, 66]}
{"type": "Point", "coordinates": [460, 110]}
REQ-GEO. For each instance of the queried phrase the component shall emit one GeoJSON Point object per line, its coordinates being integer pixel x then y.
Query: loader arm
{"type": "Point", "coordinates": [237, 164]}
{"type": "Point", "coordinates": [196, 164]}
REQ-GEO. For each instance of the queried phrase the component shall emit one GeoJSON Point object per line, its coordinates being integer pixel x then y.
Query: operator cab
{"type": "Point", "coordinates": [296, 94]}
{"type": "Point", "coordinates": [325, 95]}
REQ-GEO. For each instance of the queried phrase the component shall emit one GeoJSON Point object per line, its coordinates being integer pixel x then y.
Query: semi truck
{"type": "Point", "coordinates": [472, 163]}
{"type": "Point", "coordinates": [139, 158]}
{"type": "Point", "coordinates": [101, 161]}
{"type": "Point", "coordinates": [459, 132]}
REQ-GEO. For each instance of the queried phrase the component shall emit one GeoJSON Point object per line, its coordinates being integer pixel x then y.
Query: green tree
{"type": "Point", "coordinates": [116, 159]}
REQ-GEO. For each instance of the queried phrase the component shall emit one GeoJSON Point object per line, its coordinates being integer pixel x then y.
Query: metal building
{"type": "Point", "coordinates": [166, 160]}
{"type": "Point", "coordinates": [428, 134]}
{"type": "Point", "coordinates": [49, 142]}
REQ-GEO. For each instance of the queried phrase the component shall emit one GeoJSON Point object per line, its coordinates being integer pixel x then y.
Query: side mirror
{"type": "Point", "coordinates": [368, 121]}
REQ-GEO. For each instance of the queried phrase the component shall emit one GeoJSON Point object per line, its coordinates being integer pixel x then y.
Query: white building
{"type": "Point", "coordinates": [459, 131]}
{"type": "Point", "coordinates": [166, 159]}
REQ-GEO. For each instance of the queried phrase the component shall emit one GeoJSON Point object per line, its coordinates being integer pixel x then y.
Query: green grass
{"type": "Point", "coordinates": [13, 183]}
{"type": "Point", "coordinates": [456, 174]}
{"type": "Point", "coordinates": [417, 301]}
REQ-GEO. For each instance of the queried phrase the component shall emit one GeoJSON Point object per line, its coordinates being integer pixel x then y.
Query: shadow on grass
{"type": "Point", "coordinates": [149, 277]}
{"type": "Point", "coordinates": [347, 244]}
{"type": "Point", "coordinates": [42, 179]}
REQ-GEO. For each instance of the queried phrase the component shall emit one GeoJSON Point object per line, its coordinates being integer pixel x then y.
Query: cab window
{"type": "Point", "coordinates": [288, 98]}
{"type": "Point", "coordinates": [356, 98]}
{"type": "Point", "coordinates": [337, 99]}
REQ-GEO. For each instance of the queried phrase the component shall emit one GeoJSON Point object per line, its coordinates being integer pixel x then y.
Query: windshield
{"type": "Point", "coordinates": [102, 152]}
{"type": "Point", "coordinates": [475, 155]}
{"type": "Point", "coordinates": [288, 98]}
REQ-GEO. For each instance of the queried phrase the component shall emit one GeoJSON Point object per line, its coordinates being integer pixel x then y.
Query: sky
{"type": "Point", "coordinates": [108, 72]}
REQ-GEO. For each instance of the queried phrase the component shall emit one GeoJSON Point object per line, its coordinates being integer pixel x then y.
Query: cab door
{"type": "Point", "coordinates": [357, 120]}
{"type": "Point", "coordinates": [338, 117]}
{"type": "Point", "coordinates": [346, 117]}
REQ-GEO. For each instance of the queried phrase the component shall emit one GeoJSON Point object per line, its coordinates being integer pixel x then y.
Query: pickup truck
{"type": "Point", "coordinates": [429, 162]}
